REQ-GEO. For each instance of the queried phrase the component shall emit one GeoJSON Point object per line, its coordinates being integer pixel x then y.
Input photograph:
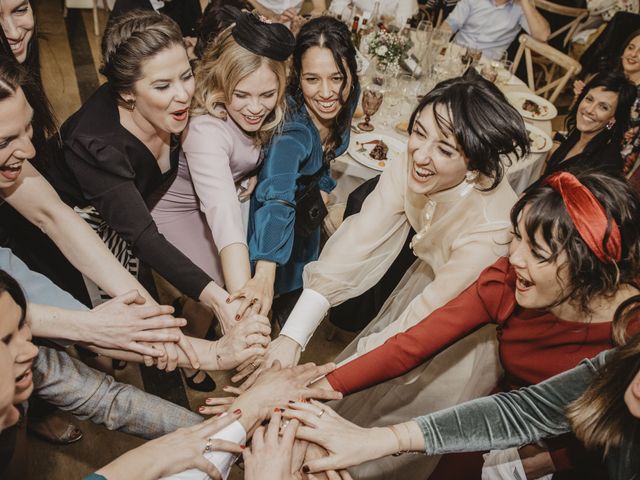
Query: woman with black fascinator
{"type": "Point", "coordinates": [288, 206]}
{"type": "Point", "coordinates": [237, 107]}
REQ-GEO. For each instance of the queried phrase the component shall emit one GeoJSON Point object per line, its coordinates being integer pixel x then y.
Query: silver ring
{"type": "Point", "coordinates": [208, 447]}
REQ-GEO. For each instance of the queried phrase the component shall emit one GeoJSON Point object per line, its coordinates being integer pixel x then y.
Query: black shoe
{"type": "Point", "coordinates": [206, 385]}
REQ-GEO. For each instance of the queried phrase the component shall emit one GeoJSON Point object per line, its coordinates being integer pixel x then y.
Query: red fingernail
{"type": "Point", "coordinates": [228, 300]}
{"type": "Point", "coordinates": [237, 317]}
{"type": "Point", "coordinates": [305, 469]}
{"type": "Point", "coordinates": [276, 410]}
{"type": "Point", "coordinates": [201, 409]}
{"type": "Point", "coordinates": [237, 411]}
{"type": "Point", "coordinates": [243, 447]}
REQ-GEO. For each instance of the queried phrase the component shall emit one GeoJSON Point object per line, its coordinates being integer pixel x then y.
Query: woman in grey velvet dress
{"type": "Point", "coordinates": [599, 400]}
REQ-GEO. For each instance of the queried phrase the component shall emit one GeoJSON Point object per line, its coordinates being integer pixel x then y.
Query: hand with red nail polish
{"type": "Point", "coordinates": [175, 452]}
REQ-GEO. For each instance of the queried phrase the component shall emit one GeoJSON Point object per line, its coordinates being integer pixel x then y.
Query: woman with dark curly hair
{"type": "Point", "coordinates": [562, 295]}
{"type": "Point", "coordinates": [450, 188]}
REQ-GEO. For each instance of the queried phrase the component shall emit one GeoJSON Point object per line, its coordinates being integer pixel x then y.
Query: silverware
{"type": "Point", "coordinates": [355, 129]}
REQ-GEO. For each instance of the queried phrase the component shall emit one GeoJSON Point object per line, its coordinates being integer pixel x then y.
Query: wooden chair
{"type": "Point", "coordinates": [543, 83]}
{"type": "Point", "coordinates": [85, 4]}
{"type": "Point", "coordinates": [578, 16]}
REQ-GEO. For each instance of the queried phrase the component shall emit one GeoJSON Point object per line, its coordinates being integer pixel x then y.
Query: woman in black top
{"type": "Point", "coordinates": [596, 124]}
{"type": "Point", "coordinates": [120, 147]}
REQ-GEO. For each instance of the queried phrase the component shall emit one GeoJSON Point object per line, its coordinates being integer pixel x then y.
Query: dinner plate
{"type": "Point", "coordinates": [532, 106]}
{"type": "Point", "coordinates": [360, 149]}
{"type": "Point", "coordinates": [539, 141]}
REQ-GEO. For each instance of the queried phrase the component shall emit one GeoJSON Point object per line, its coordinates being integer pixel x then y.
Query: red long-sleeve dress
{"type": "Point", "coordinates": [533, 345]}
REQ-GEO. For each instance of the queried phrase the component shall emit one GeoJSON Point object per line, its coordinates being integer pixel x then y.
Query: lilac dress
{"type": "Point", "coordinates": [199, 212]}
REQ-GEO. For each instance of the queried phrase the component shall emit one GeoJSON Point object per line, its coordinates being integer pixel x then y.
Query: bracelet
{"type": "Point", "coordinates": [398, 439]}
{"type": "Point", "coordinates": [395, 434]}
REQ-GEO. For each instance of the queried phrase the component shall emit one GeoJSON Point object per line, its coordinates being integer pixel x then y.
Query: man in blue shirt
{"type": "Point", "coordinates": [491, 25]}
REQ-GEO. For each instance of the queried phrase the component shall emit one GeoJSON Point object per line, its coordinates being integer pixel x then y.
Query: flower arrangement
{"type": "Point", "coordinates": [388, 48]}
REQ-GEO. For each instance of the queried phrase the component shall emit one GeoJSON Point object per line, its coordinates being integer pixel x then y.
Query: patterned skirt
{"type": "Point", "coordinates": [115, 243]}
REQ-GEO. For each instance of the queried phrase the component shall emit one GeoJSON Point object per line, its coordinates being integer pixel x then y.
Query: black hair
{"type": "Point", "coordinates": [588, 276]}
{"type": "Point", "coordinates": [482, 121]}
{"type": "Point", "coordinates": [10, 285]}
{"type": "Point", "coordinates": [213, 22]}
{"type": "Point", "coordinates": [615, 82]}
{"type": "Point", "coordinates": [328, 32]}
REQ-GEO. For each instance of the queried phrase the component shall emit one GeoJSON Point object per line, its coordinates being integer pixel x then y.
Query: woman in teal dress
{"type": "Point", "coordinates": [284, 232]}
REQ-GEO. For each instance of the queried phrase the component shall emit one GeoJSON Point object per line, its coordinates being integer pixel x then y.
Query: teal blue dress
{"type": "Point", "coordinates": [294, 152]}
{"type": "Point", "coordinates": [94, 476]}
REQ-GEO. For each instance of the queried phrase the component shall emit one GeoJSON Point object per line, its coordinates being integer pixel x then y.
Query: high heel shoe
{"type": "Point", "coordinates": [206, 385]}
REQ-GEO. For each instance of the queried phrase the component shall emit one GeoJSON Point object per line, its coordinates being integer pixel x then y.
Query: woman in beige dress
{"type": "Point", "coordinates": [451, 189]}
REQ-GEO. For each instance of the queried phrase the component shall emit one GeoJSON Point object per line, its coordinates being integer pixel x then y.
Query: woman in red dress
{"type": "Point", "coordinates": [559, 297]}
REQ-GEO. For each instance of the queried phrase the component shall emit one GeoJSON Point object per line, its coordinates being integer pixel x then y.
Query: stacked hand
{"type": "Point", "coordinates": [283, 350]}
{"type": "Point", "coordinates": [246, 341]}
{"type": "Point", "coordinates": [276, 454]}
{"type": "Point", "coordinates": [175, 452]}
{"type": "Point", "coordinates": [346, 443]}
{"type": "Point", "coordinates": [276, 387]}
{"type": "Point", "coordinates": [126, 323]}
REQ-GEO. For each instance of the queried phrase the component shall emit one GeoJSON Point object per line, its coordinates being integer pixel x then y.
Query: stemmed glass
{"type": "Point", "coordinates": [372, 97]}
{"type": "Point", "coordinates": [423, 36]}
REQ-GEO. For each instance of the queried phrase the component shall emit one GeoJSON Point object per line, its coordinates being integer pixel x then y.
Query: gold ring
{"type": "Point", "coordinates": [321, 413]}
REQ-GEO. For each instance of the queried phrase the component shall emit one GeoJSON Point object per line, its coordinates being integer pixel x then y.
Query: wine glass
{"type": "Point", "coordinates": [371, 101]}
{"type": "Point", "coordinates": [423, 35]}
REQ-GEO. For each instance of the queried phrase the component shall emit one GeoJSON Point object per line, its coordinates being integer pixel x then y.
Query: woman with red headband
{"type": "Point", "coordinates": [557, 299]}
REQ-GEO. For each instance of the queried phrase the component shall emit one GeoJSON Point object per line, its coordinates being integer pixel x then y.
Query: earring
{"type": "Point", "coordinates": [471, 176]}
{"type": "Point", "coordinates": [610, 125]}
{"type": "Point", "coordinates": [130, 105]}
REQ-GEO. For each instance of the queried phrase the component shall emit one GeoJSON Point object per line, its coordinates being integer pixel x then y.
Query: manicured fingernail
{"type": "Point", "coordinates": [228, 300]}
{"type": "Point", "coordinates": [243, 447]}
{"type": "Point", "coordinates": [202, 409]}
{"type": "Point", "coordinates": [276, 410]}
{"type": "Point", "coordinates": [292, 401]}
{"type": "Point", "coordinates": [208, 401]}
{"type": "Point", "coordinates": [305, 469]}
{"type": "Point", "coordinates": [237, 317]}
{"type": "Point", "coordinates": [237, 411]}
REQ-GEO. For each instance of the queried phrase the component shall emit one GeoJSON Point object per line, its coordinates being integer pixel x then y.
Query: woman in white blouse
{"type": "Point", "coordinates": [451, 189]}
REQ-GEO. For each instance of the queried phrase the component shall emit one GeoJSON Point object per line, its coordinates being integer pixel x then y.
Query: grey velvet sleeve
{"type": "Point", "coordinates": [509, 419]}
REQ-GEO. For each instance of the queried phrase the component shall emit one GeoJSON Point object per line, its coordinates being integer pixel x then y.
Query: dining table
{"type": "Point", "coordinates": [350, 173]}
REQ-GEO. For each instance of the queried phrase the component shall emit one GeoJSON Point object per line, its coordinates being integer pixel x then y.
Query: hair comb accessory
{"type": "Point", "coordinates": [588, 216]}
{"type": "Point", "coordinates": [272, 40]}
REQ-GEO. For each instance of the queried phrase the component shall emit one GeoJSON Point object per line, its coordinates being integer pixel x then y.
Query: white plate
{"type": "Point", "coordinates": [360, 152]}
{"type": "Point", "coordinates": [539, 141]}
{"type": "Point", "coordinates": [547, 109]}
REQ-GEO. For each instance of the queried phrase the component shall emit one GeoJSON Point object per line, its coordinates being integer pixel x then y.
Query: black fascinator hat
{"type": "Point", "coordinates": [272, 40]}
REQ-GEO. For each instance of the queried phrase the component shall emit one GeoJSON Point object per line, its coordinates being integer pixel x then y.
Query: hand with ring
{"type": "Point", "coordinates": [270, 455]}
{"type": "Point", "coordinates": [246, 340]}
{"type": "Point", "coordinates": [257, 293]}
{"type": "Point", "coordinates": [175, 452]}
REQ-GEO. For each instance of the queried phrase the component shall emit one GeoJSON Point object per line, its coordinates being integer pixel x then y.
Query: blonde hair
{"type": "Point", "coordinates": [223, 65]}
{"type": "Point", "coordinates": [599, 417]}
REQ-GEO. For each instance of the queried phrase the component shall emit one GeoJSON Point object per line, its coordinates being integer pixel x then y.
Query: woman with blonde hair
{"type": "Point", "coordinates": [237, 106]}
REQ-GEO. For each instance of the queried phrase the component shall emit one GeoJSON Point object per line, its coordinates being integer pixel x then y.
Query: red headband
{"type": "Point", "coordinates": [588, 216]}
